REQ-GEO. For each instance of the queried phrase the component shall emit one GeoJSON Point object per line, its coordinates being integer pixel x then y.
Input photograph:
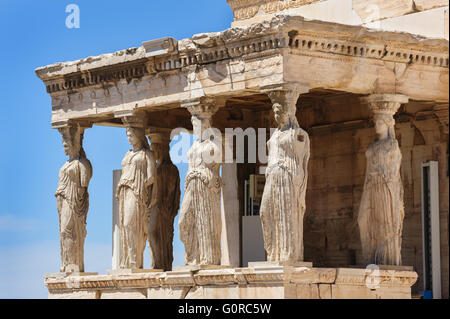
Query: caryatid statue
{"type": "Point", "coordinates": [200, 219]}
{"type": "Point", "coordinates": [73, 199]}
{"type": "Point", "coordinates": [381, 210]}
{"type": "Point", "coordinates": [167, 203]}
{"type": "Point", "coordinates": [283, 201]}
{"type": "Point", "coordinates": [134, 193]}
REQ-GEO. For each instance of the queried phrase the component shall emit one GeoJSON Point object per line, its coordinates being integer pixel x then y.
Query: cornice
{"type": "Point", "coordinates": [296, 34]}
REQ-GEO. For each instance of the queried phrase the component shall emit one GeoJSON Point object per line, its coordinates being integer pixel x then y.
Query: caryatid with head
{"type": "Point", "coordinates": [200, 220]}
{"type": "Point", "coordinates": [381, 210]}
{"type": "Point", "coordinates": [73, 199]}
{"type": "Point", "coordinates": [283, 201]}
{"type": "Point", "coordinates": [167, 202]}
{"type": "Point", "coordinates": [134, 193]}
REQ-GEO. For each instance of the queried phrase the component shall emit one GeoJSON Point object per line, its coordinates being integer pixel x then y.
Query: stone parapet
{"type": "Point", "coordinates": [276, 282]}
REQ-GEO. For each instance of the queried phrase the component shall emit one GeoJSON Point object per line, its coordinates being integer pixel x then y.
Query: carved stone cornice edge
{"type": "Point", "coordinates": [277, 275]}
{"type": "Point", "coordinates": [381, 277]}
{"type": "Point", "coordinates": [300, 36]}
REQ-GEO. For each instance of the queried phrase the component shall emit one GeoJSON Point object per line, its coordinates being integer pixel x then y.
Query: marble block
{"type": "Point", "coordinates": [132, 271]}
{"type": "Point", "coordinates": [287, 282]}
{"type": "Point", "coordinates": [266, 264]}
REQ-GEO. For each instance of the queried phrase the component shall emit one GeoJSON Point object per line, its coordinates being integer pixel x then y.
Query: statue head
{"type": "Point", "coordinates": [384, 106]}
{"type": "Point", "coordinates": [284, 115]}
{"type": "Point", "coordinates": [200, 124]}
{"type": "Point", "coordinates": [384, 125]}
{"type": "Point", "coordinates": [136, 138]}
{"type": "Point", "coordinates": [72, 137]}
{"type": "Point", "coordinates": [160, 145]}
{"type": "Point", "coordinates": [201, 115]}
{"type": "Point", "coordinates": [281, 116]}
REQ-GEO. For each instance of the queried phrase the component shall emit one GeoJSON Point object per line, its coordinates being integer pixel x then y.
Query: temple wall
{"type": "Point", "coordinates": [424, 17]}
{"type": "Point", "coordinates": [336, 178]}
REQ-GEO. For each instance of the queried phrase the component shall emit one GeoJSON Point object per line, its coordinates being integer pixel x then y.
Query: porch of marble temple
{"type": "Point", "coordinates": [334, 66]}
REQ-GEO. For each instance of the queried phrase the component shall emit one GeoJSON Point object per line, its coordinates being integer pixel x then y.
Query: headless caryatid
{"type": "Point", "coordinates": [73, 200]}
{"type": "Point", "coordinates": [283, 201]}
{"type": "Point", "coordinates": [200, 220]}
{"type": "Point", "coordinates": [134, 195]}
{"type": "Point", "coordinates": [166, 206]}
{"type": "Point", "coordinates": [381, 211]}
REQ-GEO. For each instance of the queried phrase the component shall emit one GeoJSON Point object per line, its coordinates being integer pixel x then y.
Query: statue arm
{"type": "Point", "coordinates": [177, 192]}
{"type": "Point", "coordinates": [394, 162]}
{"type": "Point", "coordinates": [151, 169]}
{"type": "Point", "coordinates": [85, 172]}
{"type": "Point", "coordinates": [151, 179]}
{"type": "Point", "coordinates": [305, 168]}
{"type": "Point", "coordinates": [215, 152]}
{"type": "Point", "coordinates": [398, 159]}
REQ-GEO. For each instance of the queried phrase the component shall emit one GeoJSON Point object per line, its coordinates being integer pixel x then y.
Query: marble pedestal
{"type": "Point", "coordinates": [275, 282]}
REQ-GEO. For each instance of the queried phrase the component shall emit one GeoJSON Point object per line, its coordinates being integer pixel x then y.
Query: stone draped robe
{"type": "Point", "coordinates": [133, 194]}
{"type": "Point", "coordinates": [381, 211]}
{"type": "Point", "coordinates": [200, 220]}
{"type": "Point", "coordinates": [283, 201]}
{"type": "Point", "coordinates": [73, 204]}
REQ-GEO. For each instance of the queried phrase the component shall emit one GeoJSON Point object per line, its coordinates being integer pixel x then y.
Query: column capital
{"type": "Point", "coordinates": [285, 94]}
{"type": "Point", "coordinates": [131, 118]}
{"type": "Point", "coordinates": [71, 123]}
{"type": "Point", "coordinates": [289, 90]}
{"type": "Point", "coordinates": [385, 103]}
{"type": "Point", "coordinates": [158, 135]}
{"type": "Point", "coordinates": [203, 107]}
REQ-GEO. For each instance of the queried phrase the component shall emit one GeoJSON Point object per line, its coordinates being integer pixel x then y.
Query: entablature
{"type": "Point", "coordinates": [240, 60]}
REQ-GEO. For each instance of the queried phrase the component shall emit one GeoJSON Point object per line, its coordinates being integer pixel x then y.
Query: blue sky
{"type": "Point", "coordinates": [33, 34]}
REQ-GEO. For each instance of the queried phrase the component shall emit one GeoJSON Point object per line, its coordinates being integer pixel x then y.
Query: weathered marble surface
{"type": "Point", "coordinates": [246, 9]}
{"type": "Point", "coordinates": [240, 60]}
{"type": "Point", "coordinates": [167, 203]}
{"type": "Point", "coordinates": [370, 10]}
{"type": "Point", "coordinates": [283, 202]}
{"type": "Point", "coordinates": [200, 220]}
{"type": "Point", "coordinates": [73, 199]}
{"type": "Point", "coordinates": [134, 194]}
{"type": "Point", "coordinates": [241, 283]}
{"type": "Point", "coordinates": [422, 5]}
{"type": "Point", "coordinates": [381, 211]}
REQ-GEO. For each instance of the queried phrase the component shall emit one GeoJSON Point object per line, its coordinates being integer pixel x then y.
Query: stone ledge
{"type": "Point", "coordinates": [279, 282]}
{"type": "Point", "coordinates": [132, 271]}
{"type": "Point", "coordinates": [61, 275]}
{"type": "Point", "coordinates": [385, 277]}
{"type": "Point", "coordinates": [376, 10]}
{"type": "Point", "coordinates": [268, 264]}
{"type": "Point", "coordinates": [373, 10]}
{"type": "Point", "coordinates": [422, 5]}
